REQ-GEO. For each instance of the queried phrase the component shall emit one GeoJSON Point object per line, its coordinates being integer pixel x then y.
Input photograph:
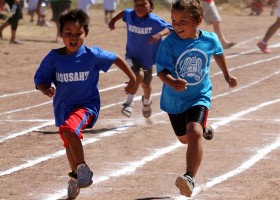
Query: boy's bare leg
{"type": "Point", "coordinates": [75, 148]}
{"type": "Point", "coordinates": [72, 163]}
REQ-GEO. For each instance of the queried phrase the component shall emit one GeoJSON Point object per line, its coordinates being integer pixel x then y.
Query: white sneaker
{"type": "Point", "coordinates": [73, 190]}
{"type": "Point", "coordinates": [84, 176]}
{"type": "Point", "coordinates": [185, 184]}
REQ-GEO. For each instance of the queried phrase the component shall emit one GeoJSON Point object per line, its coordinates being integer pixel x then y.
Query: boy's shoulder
{"type": "Point", "coordinates": [208, 33]}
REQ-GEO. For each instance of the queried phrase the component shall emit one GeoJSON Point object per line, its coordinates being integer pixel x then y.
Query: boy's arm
{"type": "Point", "coordinates": [159, 35]}
{"type": "Point", "coordinates": [114, 20]}
{"type": "Point", "coordinates": [221, 61]}
{"type": "Point", "coordinates": [176, 84]}
{"type": "Point", "coordinates": [122, 64]}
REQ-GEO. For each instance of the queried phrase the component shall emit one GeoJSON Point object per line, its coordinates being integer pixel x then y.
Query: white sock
{"type": "Point", "coordinates": [129, 99]}
{"type": "Point", "coordinates": [147, 101]}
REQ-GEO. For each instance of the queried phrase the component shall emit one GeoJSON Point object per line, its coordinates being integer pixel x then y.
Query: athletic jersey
{"type": "Point", "coordinates": [139, 32]}
{"type": "Point", "coordinates": [76, 78]}
{"type": "Point", "coordinates": [187, 59]}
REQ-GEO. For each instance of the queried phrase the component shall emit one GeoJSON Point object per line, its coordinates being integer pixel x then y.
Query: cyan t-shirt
{"type": "Point", "coordinates": [187, 59]}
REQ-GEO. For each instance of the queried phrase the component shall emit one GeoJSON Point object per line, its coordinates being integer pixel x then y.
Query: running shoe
{"type": "Point", "coordinates": [185, 184]}
{"type": "Point", "coordinates": [84, 176]}
{"type": "Point", "coordinates": [73, 190]}
{"type": "Point", "coordinates": [127, 110]}
{"type": "Point", "coordinates": [208, 133]}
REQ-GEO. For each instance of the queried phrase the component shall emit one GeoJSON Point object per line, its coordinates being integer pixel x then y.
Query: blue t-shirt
{"type": "Point", "coordinates": [76, 78]}
{"type": "Point", "coordinates": [187, 59]}
{"type": "Point", "coordinates": [139, 32]}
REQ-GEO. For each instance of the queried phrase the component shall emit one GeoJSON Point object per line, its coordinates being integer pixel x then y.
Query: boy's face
{"type": "Point", "coordinates": [183, 24]}
{"type": "Point", "coordinates": [73, 36]}
{"type": "Point", "coordinates": [142, 8]}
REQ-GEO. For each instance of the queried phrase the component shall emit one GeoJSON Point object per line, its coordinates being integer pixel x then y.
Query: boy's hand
{"type": "Point", "coordinates": [232, 81]}
{"type": "Point", "coordinates": [155, 38]}
{"type": "Point", "coordinates": [111, 25]}
{"type": "Point", "coordinates": [129, 89]}
{"type": "Point", "coordinates": [179, 84]}
{"type": "Point", "coordinates": [49, 92]}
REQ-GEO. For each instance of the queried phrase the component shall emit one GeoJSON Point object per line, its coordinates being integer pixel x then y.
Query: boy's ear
{"type": "Point", "coordinates": [152, 8]}
{"type": "Point", "coordinates": [199, 20]}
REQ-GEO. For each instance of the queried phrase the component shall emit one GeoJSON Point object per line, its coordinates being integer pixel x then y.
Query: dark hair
{"type": "Point", "coordinates": [74, 15]}
{"type": "Point", "coordinates": [151, 2]}
{"type": "Point", "coordinates": [193, 7]}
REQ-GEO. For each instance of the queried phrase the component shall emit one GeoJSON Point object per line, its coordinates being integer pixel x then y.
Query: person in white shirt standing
{"type": "Point", "coordinates": [85, 5]}
{"type": "Point", "coordinates": [110, 7]}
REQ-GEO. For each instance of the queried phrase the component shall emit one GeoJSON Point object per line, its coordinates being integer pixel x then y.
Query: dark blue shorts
{"type": "Point", "coordinates": [194, 114]}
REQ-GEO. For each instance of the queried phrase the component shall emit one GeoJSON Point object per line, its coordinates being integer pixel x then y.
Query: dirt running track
{"type": "Point", "coordinates": [139, 159]}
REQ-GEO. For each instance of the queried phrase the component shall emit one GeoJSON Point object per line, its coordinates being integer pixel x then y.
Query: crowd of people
{"type": "Point", "coordinates": [11, 11]}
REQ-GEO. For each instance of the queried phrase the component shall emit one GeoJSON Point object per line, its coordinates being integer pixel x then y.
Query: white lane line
{"type": "Point", "coordinates": [132, 166]}
{"type": "Point", "coordinates": [138, 98]}
{"type": "Point", "coordinates": [261, 153]}
{"type": "Point", "coordinates": [57, 154]}
{"type": "Point", "coordinates": [31, 91]}
{"type": "Point", "coordinates": [239, 88]}
{"type": "Point", "coordinates": [236, 116]}
{"type": "Point", "coordinates": [24, 132]}
{"type": "Point", "coordinates": [129, 169]}
{"type": "Point", "coordinates": [115, 69]}
{"type": "Point", "coordinates": [26, 108]}
{"type": "Point", "coordinates": [122, 85]}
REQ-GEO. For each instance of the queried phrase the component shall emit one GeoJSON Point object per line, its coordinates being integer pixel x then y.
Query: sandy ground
{"type": "Point", "coordinates": [139, 159]}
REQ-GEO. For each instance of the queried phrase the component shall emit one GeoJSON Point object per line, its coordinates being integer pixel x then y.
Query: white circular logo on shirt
{"type": "Point", "coordinates": [190, 64]}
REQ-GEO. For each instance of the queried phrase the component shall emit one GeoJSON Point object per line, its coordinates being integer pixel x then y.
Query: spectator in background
{"type": "Point", "coordinates": [85, 5]}
{"type": "Point", "coordinates": [16, 11]}
{"type": "Point", "coordinates": [42, 10]}
{"type": "Point", "coordinates": [269, 33]}
{"type": "Point", "coordinates": [212, 16]}
{"type": "Point", "coordinates": [110, 7]}
{"type": "Point", "coordinates": [273, 5]}
{"type": "Point", "coordinates": [256, 7]}
{"type": "Point", "coordinates": [32, 9]}
{"type": "Point", "coordinates": [5, 11]}
{"type": "Point", "coordinates": [58, 7]}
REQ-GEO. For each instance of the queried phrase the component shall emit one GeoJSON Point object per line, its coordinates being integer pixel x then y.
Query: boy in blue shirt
{"type": "Point", "coordinates": [144, 35]}
{"type": "Point", "coordinates": [183, 65]}
{"type": "Point", "coordinates": [70, 74]}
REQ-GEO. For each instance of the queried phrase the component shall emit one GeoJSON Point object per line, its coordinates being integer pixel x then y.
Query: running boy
{"type": "Point", "coordinates": [74, 72]}
{"type": "Point", "coordinates": [183, 64]}
{"type": "Point", "coordinates": [144, 35]}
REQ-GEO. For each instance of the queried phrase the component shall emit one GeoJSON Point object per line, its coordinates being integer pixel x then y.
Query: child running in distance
{"type": "Point", "coordinates": [144, 35]}
{"type": "Point", "coordinates": [74, 72]}
{"type": "Point", "coordinates": [183, 65]}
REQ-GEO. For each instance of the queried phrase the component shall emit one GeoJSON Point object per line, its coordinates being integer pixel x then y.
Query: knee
{"type": "Point", "coordinates": [194, 135]}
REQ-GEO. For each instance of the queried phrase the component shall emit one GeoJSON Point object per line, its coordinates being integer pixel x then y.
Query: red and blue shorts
{"type": "Point", "coordinates": [76, 123]}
